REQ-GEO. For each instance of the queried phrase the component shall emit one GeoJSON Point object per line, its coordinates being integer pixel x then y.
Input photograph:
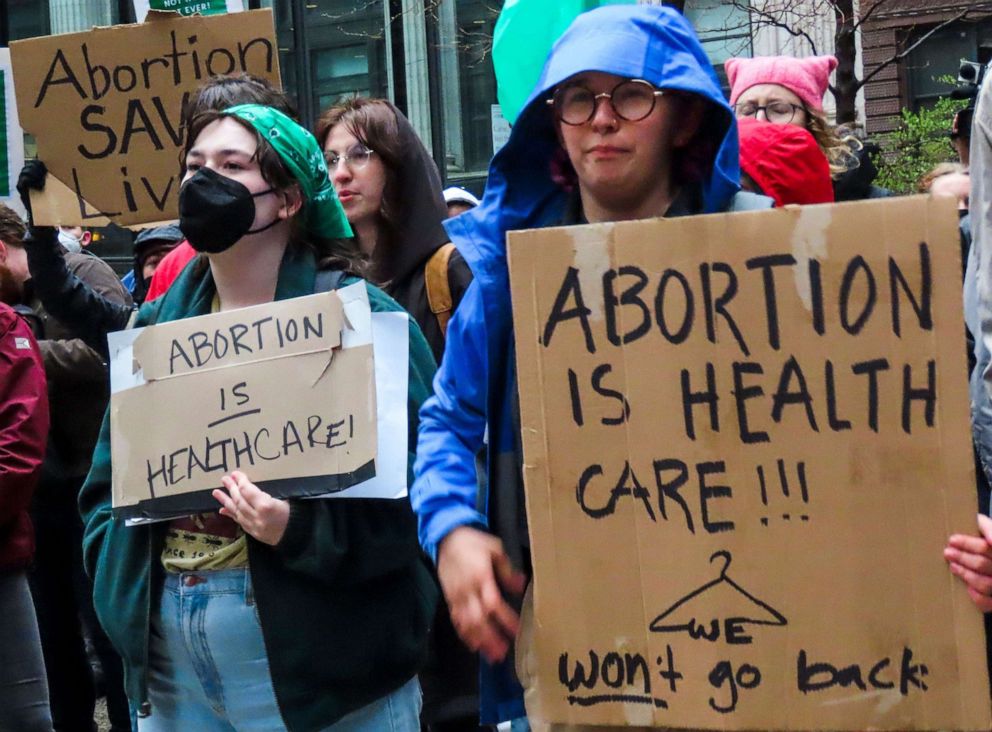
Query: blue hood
{"type": "Point", "coordinates": [653, 43]}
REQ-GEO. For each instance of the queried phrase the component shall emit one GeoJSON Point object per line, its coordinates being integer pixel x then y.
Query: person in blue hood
{"type": "Point", "coordinates": [627, 122]}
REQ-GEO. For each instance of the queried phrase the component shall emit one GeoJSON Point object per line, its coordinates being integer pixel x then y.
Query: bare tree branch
{"type": "Point", "coordinates": [867, 14]}
{"type": "Point", "coordinates": [919, 42]}
{"type": "Point", "coordinates": [769, 18]}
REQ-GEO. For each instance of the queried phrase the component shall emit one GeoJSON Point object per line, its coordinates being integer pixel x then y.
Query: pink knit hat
{"type": "Point", "coordinates": [807, 77]}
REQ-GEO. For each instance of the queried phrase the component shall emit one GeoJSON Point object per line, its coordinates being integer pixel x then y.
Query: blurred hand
{"type": "Point", "coordinates": [472, 567]}
{"type": "Point", "coordinates": [970, 558]}
{"type": "Point", "coordinates": [255, 511]}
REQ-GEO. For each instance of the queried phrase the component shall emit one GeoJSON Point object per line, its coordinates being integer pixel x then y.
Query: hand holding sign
{"type": "Point", "coordinates": [259, 514]}
{"type": "Point", "coordinates": [970, 558]}
{"type": "Point", "coordinates": [31, 178]}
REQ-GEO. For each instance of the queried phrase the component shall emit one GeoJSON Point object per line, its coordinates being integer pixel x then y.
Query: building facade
{"type": "Point", "coordinates": [433, 57]}
{"type": "Point", "coordinates": [430, 57]}
{"type": "Point", "coordinates": [944, 33]}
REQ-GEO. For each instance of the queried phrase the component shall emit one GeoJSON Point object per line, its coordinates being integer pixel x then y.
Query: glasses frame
{"type": "Point", "coordinates": [354, 162]}
{"type": "Point", "coordinates": [655, 93]}
{"type": "Point", "coordinates": [764, 108]}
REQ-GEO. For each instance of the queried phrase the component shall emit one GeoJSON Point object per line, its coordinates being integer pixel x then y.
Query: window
{"type": "Point", "coordinates": [329, 49]}
{"type": "Point", "coordinates": [468, 85]}
{"type": "Point", "coordinates": [724, 28]}
{"type": "Point", "coordinates": [24, 19]}
{"type": "Point", "coordinates": [347, 50]}
{"type": "Point", "coordinates": [940, 56]}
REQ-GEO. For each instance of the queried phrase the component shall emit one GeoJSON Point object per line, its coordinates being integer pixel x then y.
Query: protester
{"type": "Point", "coordinates": [787, 90]}
{"type": "Point", "coordinates": [970, 557]}
{"type": "Point", "coordinates": [391, 191]}
{"type": "Point", "coordinates": [940, 169]}
{"type": "Point", "coordinates": [88, 314]}
{"type": "Point", "coordinates": [611, 148]}
{"type": "Point", "coordinates": [961, 133]}
{"type": "Point", "coordinates": [219, 93]}
{"type": "Point", "coordinates": [459, 201]}
{"type": "Point", "coordinates": [956, 185]}
{"type": "Point", "coordinates": [74, 238]}
{"type": "Point", "coordinates": [337, 588]}
{"type": "Point", "coordinates": [78, 393]}
{"type": "Point", "coordinates": [951, 180]}
{"type": "Point", "coordinates": [150, 247]}
{"type": "Point", "coordinates": [784, 162]}
{"type": "Point", "coordinates": [23, 433]}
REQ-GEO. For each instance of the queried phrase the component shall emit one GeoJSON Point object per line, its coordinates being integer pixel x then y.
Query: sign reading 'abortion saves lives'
{"type": "Point", "coordinates": [271, 390]}
{"type": "Point", "coordinates": [105, 108]}
{"type": "Point", "coordinates": [746, 441]}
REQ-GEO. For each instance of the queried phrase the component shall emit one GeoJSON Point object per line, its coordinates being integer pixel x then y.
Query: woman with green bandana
{"type": "Point", "coordinates": [270, 614]}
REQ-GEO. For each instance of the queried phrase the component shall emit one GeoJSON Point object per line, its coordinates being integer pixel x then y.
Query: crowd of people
{"type": "Point", "coordinates": [374, 614]}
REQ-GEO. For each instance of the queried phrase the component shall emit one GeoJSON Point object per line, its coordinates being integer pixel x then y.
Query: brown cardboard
{"type": "Point", "coordinates": [110, 140]}
{"type": "Point", "coordinates": [807, 547]}
{"type": "Point", "coordinates": [266, 390]}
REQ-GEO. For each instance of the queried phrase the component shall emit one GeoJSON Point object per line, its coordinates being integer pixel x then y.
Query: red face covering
{"type": "Point", "coordinates": [785, 162]}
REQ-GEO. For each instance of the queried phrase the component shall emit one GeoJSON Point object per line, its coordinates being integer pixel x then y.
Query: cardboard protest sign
{"type": "Point", "coordinates": [188, 7]}
{"type": "Point", "coordinates": [11, 137]}
{"type": "Point", "coordinates": [271, 390]}
{"type": "Point", "coordinates": [746, 440]}
{"type": "Point", "coordinates": [105, 108]}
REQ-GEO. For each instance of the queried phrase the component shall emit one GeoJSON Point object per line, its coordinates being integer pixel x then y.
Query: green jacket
{"type": "Point", "coordinates": [345, 600]}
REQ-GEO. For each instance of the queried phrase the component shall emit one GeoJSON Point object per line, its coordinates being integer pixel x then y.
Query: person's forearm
{"type": "Point", "coordinates": [68, 299]}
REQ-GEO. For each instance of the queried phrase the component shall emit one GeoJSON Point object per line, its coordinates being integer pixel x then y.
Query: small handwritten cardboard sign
{"type": "Point", "coordinates": [105, 108]}
{"type": "Point", "coordinates": [268, 390]}
{"type": "Point", "coordinates": [746, 440]}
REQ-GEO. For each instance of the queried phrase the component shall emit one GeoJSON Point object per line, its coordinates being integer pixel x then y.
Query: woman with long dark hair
{"type": "Point", "coordinates": [390, 189]}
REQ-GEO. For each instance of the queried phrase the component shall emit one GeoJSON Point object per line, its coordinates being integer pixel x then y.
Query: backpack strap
{"type": "Point", "coordinates": [327, 280]}
{"type": "Point", "coordinates": [437, 285]}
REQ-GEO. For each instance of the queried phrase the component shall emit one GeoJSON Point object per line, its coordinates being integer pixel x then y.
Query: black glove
{"type": "Point", "coordinates": [32, 178]}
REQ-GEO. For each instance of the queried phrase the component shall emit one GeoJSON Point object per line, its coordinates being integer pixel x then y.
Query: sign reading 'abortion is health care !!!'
{"type": "Point", "coordinates": [105, 108]}
{"type": "Point", "coordinates": [746, 441]}
{"type": "Point", "coordinates": [272, 390]}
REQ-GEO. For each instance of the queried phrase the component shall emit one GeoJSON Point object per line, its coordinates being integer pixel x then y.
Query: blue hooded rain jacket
{"type": "Point", "coordinates": [476, 384]}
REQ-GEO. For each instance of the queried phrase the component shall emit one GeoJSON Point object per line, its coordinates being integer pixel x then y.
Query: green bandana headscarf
{"type": "Point", "coordinates": [303, 157]}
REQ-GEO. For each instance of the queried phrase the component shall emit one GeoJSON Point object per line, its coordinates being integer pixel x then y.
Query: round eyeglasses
{"type": "Point", "coordinates": [778, 113]}
{"type": "Point", "coordinates": [356, 158]}
{"type": "Point", "coordinates": [631, 100]}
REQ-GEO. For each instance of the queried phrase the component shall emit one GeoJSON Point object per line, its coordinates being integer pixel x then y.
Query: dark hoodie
{"type": "Point", "coordinates": [418, 232]}
{"type": "Point", "coordinates": [450, 680]}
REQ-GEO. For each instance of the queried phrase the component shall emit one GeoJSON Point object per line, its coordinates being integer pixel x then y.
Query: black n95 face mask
{"type": "Point", "coordinates": [216, 211]}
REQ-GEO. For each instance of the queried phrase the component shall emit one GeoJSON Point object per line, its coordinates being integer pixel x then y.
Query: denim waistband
{"type": "Point", "coordinates": [209, 582]}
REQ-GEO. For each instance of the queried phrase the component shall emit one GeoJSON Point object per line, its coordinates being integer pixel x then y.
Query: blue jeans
{"type": "Point", "coordinates": [208, 669]}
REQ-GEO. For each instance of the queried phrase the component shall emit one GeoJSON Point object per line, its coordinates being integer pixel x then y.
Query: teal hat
{"type": "Point", "coordinates": [305, 160]}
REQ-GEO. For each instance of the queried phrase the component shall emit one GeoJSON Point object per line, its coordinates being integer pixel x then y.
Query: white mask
{"type": "Point", "coordinates": [69, 242]}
